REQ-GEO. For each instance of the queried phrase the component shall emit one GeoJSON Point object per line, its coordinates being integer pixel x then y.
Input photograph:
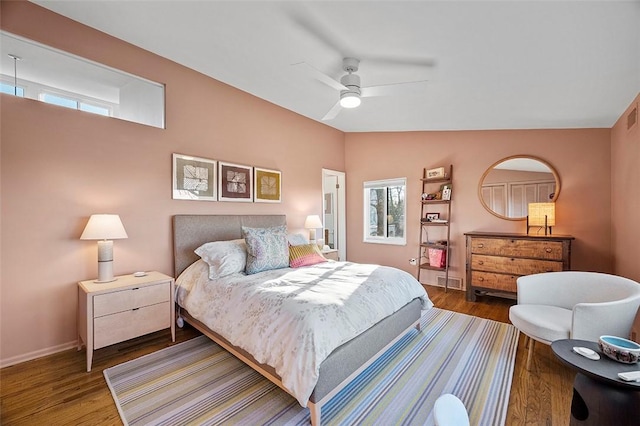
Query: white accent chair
{"type": "Point", "coordinates": [450, 411]}
{"type": "Point", "coordinates": [574, 305]}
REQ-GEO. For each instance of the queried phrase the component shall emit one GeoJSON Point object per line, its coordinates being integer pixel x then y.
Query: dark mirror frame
{"type": "Point", "coordinates": [530, 157]}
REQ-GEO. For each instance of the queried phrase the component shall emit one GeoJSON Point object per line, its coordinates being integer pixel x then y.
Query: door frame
{"type": "Point", "coordinates": [340, 209]}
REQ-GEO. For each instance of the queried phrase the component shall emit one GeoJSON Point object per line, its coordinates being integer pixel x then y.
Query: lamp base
{"type": "Point", "coordinates": [105, 262]}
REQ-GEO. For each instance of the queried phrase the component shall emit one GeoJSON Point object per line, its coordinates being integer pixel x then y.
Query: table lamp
{"type": "Point", "coordinates": [104, 228]}
{"type": "Point", "coordinates": [542, 215]}
{"type": "Point", "coordinates": [312, 223]}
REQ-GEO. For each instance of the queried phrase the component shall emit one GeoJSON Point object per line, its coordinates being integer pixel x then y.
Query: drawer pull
{"type": "Point", "coordinates": [480, 245]}
{"type": "Point", "coordinates": [136, 288]}
{"type": "Point", "coordinates": [135, 309]}
{"type": "Point", "coordinates": [480, 279]}
{"type": "Point", "coordinates": [548, 250]}
{"type": "Point", "coordinates": [480, 262]}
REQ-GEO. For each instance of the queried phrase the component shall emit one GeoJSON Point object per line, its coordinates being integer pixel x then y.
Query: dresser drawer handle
{"type": "Point", "coordinates": [480, 245]}
{"type": "Point", "coordinates": [480, 279]}
{"type": "Point", "coordinates": [135, 309]}
{"type": "Point", "coordinates": [136, 288]}
{"type": "Point", "coordinates": [512, 259]}
{"type": "Point", "coordinates": [480, 262]}
{"type": "Point", "coordinates": [548, 250]}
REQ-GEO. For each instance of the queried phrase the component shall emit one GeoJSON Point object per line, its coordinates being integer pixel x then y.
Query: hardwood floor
{"type": "Point", "coordinates": [56, 390]}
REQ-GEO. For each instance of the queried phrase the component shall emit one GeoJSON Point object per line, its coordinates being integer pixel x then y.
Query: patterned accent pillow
{"type": "Point", "coordinates": [224, 257]}
{"type": "Point", "coordinates": [267, 248]}
{"type": "Point", "coordinates": [305, 255]}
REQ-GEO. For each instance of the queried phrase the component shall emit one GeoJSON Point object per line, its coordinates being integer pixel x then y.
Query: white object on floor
{"type": "Point", "coordinates": [450, 411]}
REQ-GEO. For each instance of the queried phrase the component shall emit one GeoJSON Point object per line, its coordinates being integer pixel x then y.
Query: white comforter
{"type": "Point", "coordinates": [292, 319]}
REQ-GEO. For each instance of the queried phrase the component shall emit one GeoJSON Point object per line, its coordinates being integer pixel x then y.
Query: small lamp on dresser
{"type": "Point", "coordinates": [541, 215]}
{"type": "Point", "coordinates": [312, 223]}
{"type": "Point", "coordinates": [104, 228]}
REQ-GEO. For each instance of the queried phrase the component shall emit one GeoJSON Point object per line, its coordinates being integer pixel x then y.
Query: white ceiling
{"type": "Point", "coordinates": [490, 65]}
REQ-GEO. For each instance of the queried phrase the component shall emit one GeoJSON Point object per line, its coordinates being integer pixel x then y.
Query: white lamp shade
{"type": "Point", "coordinates": [104, 227]}
{"type": "Point", "coordinates": [538, 211]}
{"type": "Point", "coordinates": [313, 222]}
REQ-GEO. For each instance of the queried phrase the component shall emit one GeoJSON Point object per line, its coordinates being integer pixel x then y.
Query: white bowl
{"type": "Point", "coordinates": [619, 349]}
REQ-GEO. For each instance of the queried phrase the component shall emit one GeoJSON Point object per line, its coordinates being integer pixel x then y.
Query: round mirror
{"type": "Point", "coordinates": [509, 185]}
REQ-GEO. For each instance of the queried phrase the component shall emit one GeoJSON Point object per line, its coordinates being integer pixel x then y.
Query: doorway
{"type": "Point", "coordinates": [334, 210]}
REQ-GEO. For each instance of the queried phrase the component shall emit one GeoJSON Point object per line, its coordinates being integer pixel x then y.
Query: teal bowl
{"type": "Point", "coordinates": [619, 349]}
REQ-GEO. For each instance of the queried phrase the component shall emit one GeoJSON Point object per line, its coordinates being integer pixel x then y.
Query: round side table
{"type": "Point", "coordinates": [599, 396]}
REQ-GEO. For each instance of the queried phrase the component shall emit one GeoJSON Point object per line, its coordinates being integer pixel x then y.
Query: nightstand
{"type": "Point", "coordinates": [331, 254]}
{"type": "Point", "coordinates": [128, 307]}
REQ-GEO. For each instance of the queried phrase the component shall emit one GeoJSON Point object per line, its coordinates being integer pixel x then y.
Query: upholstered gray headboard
{"type": "Point", "coordinates": [191, 231]}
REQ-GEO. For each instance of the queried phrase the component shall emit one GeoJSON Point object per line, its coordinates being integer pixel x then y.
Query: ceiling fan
{"type": "Point", "coordinates": [351, 90]}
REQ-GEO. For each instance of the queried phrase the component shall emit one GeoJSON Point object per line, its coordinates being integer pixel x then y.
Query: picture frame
{"type": "Point", "coordinates": [194, 178]}
{"type": "Point", "coordinates": [437, 173]}
{"type": "Point", "coordinates": [235, 182]}
{"type": "Point", "coordinates": [431, 216]}
{"type": "Point", "coordinates": [267, 185]}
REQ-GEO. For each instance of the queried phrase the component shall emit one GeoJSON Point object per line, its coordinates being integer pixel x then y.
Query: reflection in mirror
{"type": "Point", "coordinates": [35, 71]}
{"type": "Point", "coordinates": [509, 185]}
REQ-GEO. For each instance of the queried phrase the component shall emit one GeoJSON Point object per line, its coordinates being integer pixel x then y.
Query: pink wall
{"type": "Point", "coordinates": [581, 157]}
{"type": "Point", "coordinates": [625, 194]}
{"type": "Point", "coordinates": [59, 166]}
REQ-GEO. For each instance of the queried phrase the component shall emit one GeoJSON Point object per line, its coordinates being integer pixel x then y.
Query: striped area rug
{"type": "Point", "coordinates": [199, 383]}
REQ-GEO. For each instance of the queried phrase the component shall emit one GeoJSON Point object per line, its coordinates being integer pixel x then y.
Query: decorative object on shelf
{"type": "Point", "coordinates": [312, 223]}
{"type": "Point", "coordinates": [437, 257]}
{"type": "Point", "coordinates": [437, 173]}
{"type": "Point", "coordinates": [431, 216]}
{"type": "Point", "coordinates": [268, 185]}
{"type": "Point", "coordinates": [541, 215]}
{"type": "Point", "coordinates": [104, 227]}
{"type": "Point", "coordinates": [446, 191]}
{"type": "Point", "coordinates": [235, 182]}
{"type": "Point", "coordinates": [194, 178]}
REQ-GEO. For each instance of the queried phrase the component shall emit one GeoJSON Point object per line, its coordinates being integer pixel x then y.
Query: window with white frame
{"type": "Point", "coordinates": [385, 211]}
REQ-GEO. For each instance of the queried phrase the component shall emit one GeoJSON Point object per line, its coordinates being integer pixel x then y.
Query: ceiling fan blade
{"type": "Point", "coordinates": [333, 112]}
{"type": "Point", "coordinates": [395, 89]}
{"type": "Point", "coordinates": [319, 75]}
{"type": "Point", "coordinates": [400, 61]}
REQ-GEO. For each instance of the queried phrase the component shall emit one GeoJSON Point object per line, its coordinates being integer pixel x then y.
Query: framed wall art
{"type": "Point", "coordinates": [267, 185]}
{"type": "Point", "coordinates": [235, 182]}
{"type": "Point", "coordinates": [194, 178]}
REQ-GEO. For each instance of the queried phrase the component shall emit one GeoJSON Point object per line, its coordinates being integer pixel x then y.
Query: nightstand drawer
{"type": "Point", "coordinates": [511, 265]}
{"type": "Point", "coordinates": [551, 250]}
{"type": "Point", "coordinates": [126, 325]}
{"type": "Point", "coordinates": [125, 300]}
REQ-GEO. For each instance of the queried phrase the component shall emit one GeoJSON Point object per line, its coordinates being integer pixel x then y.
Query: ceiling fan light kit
{"type": "Point", "coordinates": [349, 99]}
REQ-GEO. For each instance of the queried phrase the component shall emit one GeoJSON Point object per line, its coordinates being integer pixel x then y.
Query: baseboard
{"type": "Point", "coordinates": [37, 354]}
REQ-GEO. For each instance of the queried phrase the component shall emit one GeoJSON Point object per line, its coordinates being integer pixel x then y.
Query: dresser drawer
{"type": "Point", "coordinates": [126, 325]}
{"type": "Point", "coordinates": [513, 265]}
{"type": "Point", "coordinates": [494, 281]}
{"type": "Point", "coordinates": [550, 250]}
{"type": "Point", "coordinates": [125, 300]}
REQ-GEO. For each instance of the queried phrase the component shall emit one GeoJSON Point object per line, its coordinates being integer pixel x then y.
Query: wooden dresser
{"type": "Point", "coordinates": [496, 260]}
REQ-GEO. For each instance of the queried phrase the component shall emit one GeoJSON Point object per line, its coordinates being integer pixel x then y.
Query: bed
{"type": "Point", "coordinates": [343, 363]}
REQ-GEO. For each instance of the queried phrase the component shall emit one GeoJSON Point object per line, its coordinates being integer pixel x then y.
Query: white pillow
{"type": "Point", "coordinates": [297, 239]}
{"type": "Point", "coordinates": [224, 257]}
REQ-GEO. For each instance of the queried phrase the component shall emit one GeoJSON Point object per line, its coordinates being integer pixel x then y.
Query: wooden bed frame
{"type": "Point", "coordinates": [191, 231]}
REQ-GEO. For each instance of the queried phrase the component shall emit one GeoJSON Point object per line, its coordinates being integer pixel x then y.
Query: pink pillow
{"type": "Point", "coordinates": [305, 255]}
